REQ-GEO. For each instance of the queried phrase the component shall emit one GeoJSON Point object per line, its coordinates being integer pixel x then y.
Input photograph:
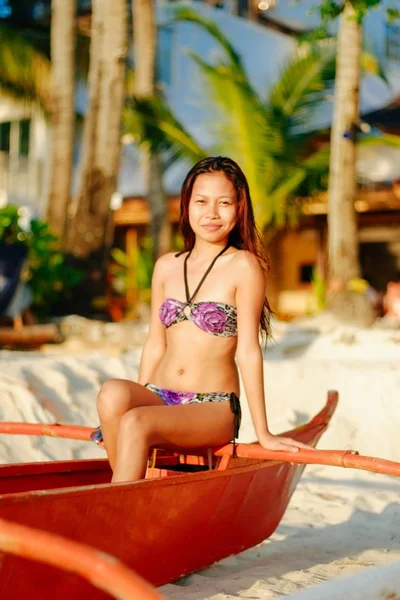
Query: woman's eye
{"type": "Point", "coordinates": [199, 201]}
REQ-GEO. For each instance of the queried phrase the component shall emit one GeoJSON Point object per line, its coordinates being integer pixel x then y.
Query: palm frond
{"type": "Point", "coordinates": [286, 187]}
{"type": "Point", "coordinates": [262, 136]}
{"type": "Point", "coordinates": [302, 86]}
{"type": "Point", "coordinates": [240, 129]}
{"type": "Point", "coordinates": [191, 16]}
{"type": "Point", "coordinates": [316, 166]}
{"type": "Point", "coordinates": [239, 125]}
{"type": "Point", "coordinates": [388, 139]}
{"type": "Point", "coordinates": [371, 58]}
{"type": "Point", "coordinates": [154, 124]}
{"type": "Point", "coordinates": [24, 71]}
{"type": "Point", "coordinates": [317, 160]}
{"type": "Point", "coordinates": [370, 63]}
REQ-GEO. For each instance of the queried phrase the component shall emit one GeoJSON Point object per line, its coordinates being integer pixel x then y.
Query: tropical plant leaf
{"type": "Point", "coordinates": [120, 257]}
{"type": "Point", "coordinates": [24, 70]}
{"type": "Point", "coordinates": [266, 136]}
{"type": "Point", "coordinates": [371, 58]}
{"type": "Point", "coordinates": [283, 190]}
{"type": "Point", "coordinates": [240, 129]}
{"type": "Point", "coordinates": [191, 16]}
{"type": "Point", "coordinates": [155, 125]}
{"type": "Point", "coordinates": [388, 139]}
{"type": "Point", "coordinates": [302, 86]}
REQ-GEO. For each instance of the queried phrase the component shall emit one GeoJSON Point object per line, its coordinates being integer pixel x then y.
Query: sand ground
{"type": "Point", "coordinates": [339, 522]}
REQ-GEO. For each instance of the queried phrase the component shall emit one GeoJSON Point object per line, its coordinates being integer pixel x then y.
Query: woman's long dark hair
{"type": "Point", "coordinates": [245, 235]}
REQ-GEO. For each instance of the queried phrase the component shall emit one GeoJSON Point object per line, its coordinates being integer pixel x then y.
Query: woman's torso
{"type": "Point", "coordinates": [195, 360]}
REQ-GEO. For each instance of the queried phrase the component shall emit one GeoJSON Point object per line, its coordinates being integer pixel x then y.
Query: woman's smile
{"type": "Point", "coordinates": [211, 227]}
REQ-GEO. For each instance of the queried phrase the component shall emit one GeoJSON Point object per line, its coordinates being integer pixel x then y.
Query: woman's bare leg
{"type": "Point", "coordinates": [116, 397]}
{"type": "Point", "coordinates": [187, 426]}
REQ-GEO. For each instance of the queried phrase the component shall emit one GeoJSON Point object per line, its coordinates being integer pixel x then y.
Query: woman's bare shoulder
{"type": "Point", "coordinates": [165, 264]}
{"type": "Point", "coordinates": [168, 259]}
{"type": "Point", "coordinates": [247, 263]}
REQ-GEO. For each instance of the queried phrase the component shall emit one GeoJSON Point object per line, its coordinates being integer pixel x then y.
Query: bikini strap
{"type": "Point", "coordinates": [189, 298]}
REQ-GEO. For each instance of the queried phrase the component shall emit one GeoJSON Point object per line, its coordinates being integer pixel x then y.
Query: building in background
{"type": "Point", "coordinates": [265, 40]}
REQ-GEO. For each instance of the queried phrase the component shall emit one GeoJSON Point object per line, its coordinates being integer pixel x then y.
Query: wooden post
{"type": "Point", "coordinates": [132, 254]}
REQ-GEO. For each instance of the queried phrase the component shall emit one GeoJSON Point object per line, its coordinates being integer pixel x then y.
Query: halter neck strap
{"type": "Point", "coordinates": [189, 297]}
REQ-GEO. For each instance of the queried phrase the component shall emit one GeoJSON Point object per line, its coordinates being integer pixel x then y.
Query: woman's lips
{"type": "Point", "coordinates": [211, 227]}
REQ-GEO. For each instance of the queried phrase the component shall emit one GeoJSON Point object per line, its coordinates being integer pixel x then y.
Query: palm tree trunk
{"type": "Point", "coordinates": [90, 227]}
{"type": "Point", "coordinates": [342, 218]}
{"type": "Point", "coordinates": [62, 113]}
{"type": "Point", "coordinates": [160, 225]}
{"type": "Point", "coordinates": [145, 44]}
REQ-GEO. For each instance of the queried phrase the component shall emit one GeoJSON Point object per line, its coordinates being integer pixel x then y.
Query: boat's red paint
{"type": "Point", "coordinates": [163, 527]}
{"type": "Point", "coordinates": [101, 570]}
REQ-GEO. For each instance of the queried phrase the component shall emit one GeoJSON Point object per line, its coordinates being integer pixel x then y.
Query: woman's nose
{"type": "Point", "coordinates": [212, 210]}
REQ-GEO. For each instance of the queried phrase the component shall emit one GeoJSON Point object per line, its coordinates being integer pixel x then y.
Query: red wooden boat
{"type": "Point", "coordinates": [101, 570]}
{"type": "Point", "coordinates": [192, 510]}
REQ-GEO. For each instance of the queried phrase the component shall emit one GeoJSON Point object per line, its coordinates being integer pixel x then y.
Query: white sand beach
{"type": "Point", "coordinates": [339, 522]}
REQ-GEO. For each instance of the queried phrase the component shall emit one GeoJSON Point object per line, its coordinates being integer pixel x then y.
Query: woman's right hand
{"type": "Point", "coordinates": [278, 443]}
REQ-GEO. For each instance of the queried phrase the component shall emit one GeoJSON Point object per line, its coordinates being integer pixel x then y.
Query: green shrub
{"type": "Point", "coordinates": [132, 271]}
{"type": "Point", "coordinates": [318, 285]}
{"type": "Point", "coordinates": [47, 274]}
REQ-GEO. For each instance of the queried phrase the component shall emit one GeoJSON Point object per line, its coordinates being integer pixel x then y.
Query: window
{"type": "Point", "coordinates": [393, 41]}
{"type": "Point", "coordinates": [24, 136]}
{"type": "Point", "coordinates": [20, 129]}
{"type": "Point", "coordinates": [306, 273]}
{"type": "Point", "coordinates": [5, 137]}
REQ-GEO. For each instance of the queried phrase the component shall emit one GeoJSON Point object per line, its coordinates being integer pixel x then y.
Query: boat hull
{"type": "Point", "coordinates": [162, 528]}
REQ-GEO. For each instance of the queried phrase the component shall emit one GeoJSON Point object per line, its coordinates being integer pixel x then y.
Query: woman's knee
{"type": "Point", "coordinates": [136, 424]}
{"type": "Point", "coordinates": [113, 398]}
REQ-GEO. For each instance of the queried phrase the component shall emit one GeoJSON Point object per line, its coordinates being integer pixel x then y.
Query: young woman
{"type": "Point", "coordinates": [208, 307]}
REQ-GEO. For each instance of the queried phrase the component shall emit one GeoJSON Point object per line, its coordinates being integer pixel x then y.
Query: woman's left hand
{"type": "Point", "coordinates": [281, 444]}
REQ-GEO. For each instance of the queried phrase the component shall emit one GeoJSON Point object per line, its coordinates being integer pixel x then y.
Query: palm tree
{"type": "Point", "coordinates": [26, 74]}
{"type": "Point", "coordinates": [90, 227]}
{"type": "Point", "coordinates": [62, 114]}
{"type": "Point", "coordinates": [265, 135]}
{"type": "Point", "coordinates": [342, 219]}
{"type": "Point", "coordinates": [145, 42]}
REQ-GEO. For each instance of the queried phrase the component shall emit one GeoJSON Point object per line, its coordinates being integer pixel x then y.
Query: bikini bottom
{"type": "Point", "coordinates": [177, 398]}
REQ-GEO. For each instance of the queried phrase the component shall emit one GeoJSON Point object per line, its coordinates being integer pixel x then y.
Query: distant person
{"type": "Point", "coordinates": [15, 294]}
{"type": "Point", "coordinates": [208, 307]}
{"type": "Point", "coordinates": [18, 309]}
{"type": "Point", "coordinates": [391, 301]}
{"type": "Point", "coordinates": [375, 298]}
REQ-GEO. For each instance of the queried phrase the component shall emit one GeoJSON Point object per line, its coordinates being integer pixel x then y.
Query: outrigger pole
{"type": "Point", "coordinates": [100, 569]}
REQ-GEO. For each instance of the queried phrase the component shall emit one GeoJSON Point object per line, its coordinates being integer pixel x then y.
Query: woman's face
{"type": "Point", "coordinates": [213, 207]}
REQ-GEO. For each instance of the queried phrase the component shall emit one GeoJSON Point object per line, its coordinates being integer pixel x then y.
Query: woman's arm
{"type": "Point", "coordinates": [250, 293]}
{"type": "Point", "coordinates": [155, 344]}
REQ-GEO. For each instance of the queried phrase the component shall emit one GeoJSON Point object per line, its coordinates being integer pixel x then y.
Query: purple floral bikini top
{"type": "Point", "coordinates": [216, 318]}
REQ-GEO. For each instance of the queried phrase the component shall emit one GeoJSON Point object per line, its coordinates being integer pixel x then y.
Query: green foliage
{"type": "Point", "coordinates": [265, 135]}
{"type": "Point", "coordinates": [24, 69]}
{"type": "Point", "coordinates": [10, 230]}
{"type": "Point", "coordinates": [318, 285]}
{"type": "Point", "coordinates": [155, 126]}
{"type": "Point", "coordinates": [47, 274]}
{"type": "Point", "coordinates": [393, 14]}
{"type": "Point", "coordinates": [331, 9]}
{"type": "Point", "coordinates": [132, 271]}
